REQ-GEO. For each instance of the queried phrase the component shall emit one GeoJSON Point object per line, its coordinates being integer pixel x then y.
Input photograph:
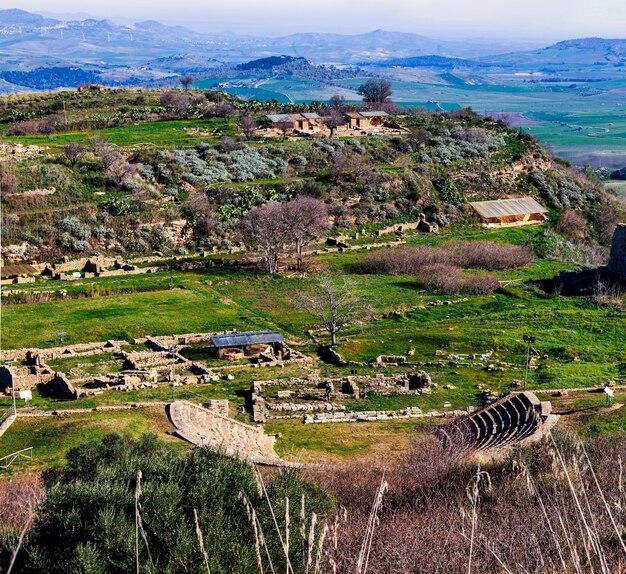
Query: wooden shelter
{"type": "Point", "coordinates": [366, 120]}
{"type": "Point", "coordinates": [510, 212]}
{"type": "Point", "coordinates": [306, 122]}
{"type": "Point", "coordinates": [10, 274]}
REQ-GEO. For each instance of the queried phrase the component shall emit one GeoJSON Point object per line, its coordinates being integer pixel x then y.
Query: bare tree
{"type": "Point", "coordinates": [72, 152]}
{"type": "Point", "coordinates": [248, 126]}
{"type": "Point", "coordinates": [284, 127]}
{"type": "Point", "coordinates": [177, 103]}
{"type": "Point", "coordinates": [265, 229]}
{"type": "Point", "coordinates": [306, 220]}
{"type": "Point", "coordinates": [225, 110]}
{"type": "Point", "coordinates": [375, 91]}
{"type": "Point", "coordinates": [206, 223]}
{"type": "Point", "coordinates": [114, 163]}
{"type": "Point", "coordinates": [333, 120]}
{"type": "Point", "coordinates": [334, 304]}
{"type": "Point", "coordinates": [186, 81]}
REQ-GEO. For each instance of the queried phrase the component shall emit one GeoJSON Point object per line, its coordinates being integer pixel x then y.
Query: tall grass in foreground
{"type": "Point", "coordinates": [556, 506]}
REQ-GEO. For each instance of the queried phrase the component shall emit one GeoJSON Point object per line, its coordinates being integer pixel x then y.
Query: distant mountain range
{"type": "Point", "coordinates": [147, 52]}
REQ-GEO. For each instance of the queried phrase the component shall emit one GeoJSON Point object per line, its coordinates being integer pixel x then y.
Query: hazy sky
{"type": "Point", "coordinates": [541, 19]}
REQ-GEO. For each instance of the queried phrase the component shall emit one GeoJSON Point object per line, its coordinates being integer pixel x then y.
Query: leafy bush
{"type": "Point", "coordinates": [71, 243]}
{"type": "Point", "coordinates": [298, 160]}
{"type": "Point", "coordinates": [559, 191]}
{"type": "Point", "coordinates": [138, 245]}
{"type": "Point", "coordinates": [75, 228]}
{"type": "Point", "coordinates": [87, 521]}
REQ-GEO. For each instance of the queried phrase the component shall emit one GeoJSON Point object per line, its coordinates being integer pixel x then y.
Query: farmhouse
{"type": "Point", "coordinates": [306, 122]}
{"type": "Point", "coordinates": [239, 345]}
{"type": "Point", "coordinates": [366, 120]}
{"type": "Point", "coordinates": [510, 212]}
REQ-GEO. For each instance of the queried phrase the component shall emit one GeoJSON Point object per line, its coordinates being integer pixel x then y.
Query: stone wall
{"type": "Point", "coordinates": [617, 262]}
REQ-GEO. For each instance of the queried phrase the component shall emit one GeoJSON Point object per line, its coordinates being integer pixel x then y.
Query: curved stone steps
{"type": "Point", "coordinates": [206, 428]}
{"type": "Point", "coordinates": [514, 418]}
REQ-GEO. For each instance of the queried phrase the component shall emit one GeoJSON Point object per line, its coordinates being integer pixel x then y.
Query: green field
{"type": "Point", "coordinates": [171, 134]}
{"type": "Point", "coordinates": [52, 437]}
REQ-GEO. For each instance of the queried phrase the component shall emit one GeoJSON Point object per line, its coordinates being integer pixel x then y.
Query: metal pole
{"type": "Point", "coordinates": [527, 361]}
{"type": "Point", "coordinates": [14, 407]}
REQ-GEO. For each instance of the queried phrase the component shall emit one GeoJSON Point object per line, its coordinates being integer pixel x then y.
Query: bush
{"type": "Point", "coordinates": [572, 225]}
{"type": "Point", "coordinates": [138, 245]}
{"type": "Point", "coordinates": [487, 255]}
{"type": "Point", "coordinates": [87, 521]}
{"type": "Point", "coordinates": [298, 160]}
{"type": "Point", "coordinates": [71, 243]}
{"type": "Point", "coordinates": [75, 228]}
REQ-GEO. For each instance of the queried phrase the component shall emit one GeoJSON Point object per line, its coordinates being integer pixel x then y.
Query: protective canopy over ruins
{"type": "Point", "coordinates": [510, 212]}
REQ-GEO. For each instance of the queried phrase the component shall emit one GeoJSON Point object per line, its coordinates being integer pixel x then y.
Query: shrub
{"type": "Point", "coordinates": [103, 233]}
{"type": "Point", "coordinates": [572, 225]}
{"type": "Point", "coordinates": [138, 245]}
{"type": "Point", "coordinates": [298, 160]}
{"type": "Point", "coordinates": [487, 255]}
{"type": "Point", "coordinates": [75, 228]}
{"type": "Point", "coordinates": [71, 243]}
{"type": "Point", "coordinates": [87, 521]}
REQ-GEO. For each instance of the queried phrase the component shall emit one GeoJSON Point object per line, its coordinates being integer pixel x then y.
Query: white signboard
{"type": "Point", "coordinates": [609, 391]}
{"type": "Point", "coordinates": [26, 395]}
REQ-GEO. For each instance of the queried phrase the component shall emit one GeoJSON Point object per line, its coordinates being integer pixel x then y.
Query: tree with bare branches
{"type": "Point", "coordinates": [306, 220]}
{"type": "Point", "coordinates": [115, 164]}
{"type": "Point", "coordinates": [248, 126]}
{"type": "Point", "coordinates": [284, 127]}
{"type": "Point", "coordinates": [333, 120]}
{"type": "Point", "coordinates": [337, 101]}
{"type": "Point", "coordinates": [265, 229]}
{"type": "Point", "coordinates": [72, 152]}
{"type": "Point", "coordinates": [186, 81]}
{"type": "Point", "coordinates": [334, 304]}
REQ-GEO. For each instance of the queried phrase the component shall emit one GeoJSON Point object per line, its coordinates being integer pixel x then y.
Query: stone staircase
{"type": "Point", "coordinates": [207, 428]}
{"type": "Point", "coordinates": [515, 418]}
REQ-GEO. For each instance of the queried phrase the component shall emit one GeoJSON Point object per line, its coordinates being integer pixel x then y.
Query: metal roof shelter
{"type": "Point", "coordinates": [374, 114]}
{"type": "Point", "coordinates": [245, 339]}
{"type": "Point", "coordinates": [507, 207]}
{"type": "Point", "coordinates": [276, 118]}
{"type": "Point", "coordinates": [8, 271]}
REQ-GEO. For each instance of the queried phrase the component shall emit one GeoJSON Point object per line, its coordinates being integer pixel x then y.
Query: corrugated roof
{"type": "Point", "coordinates": [14, 270]}
{"type": "Point", "coordinates": [506, 207]}
{"type": "Point", "coordinates": [374, 114]}
{"type": "Point", "coordinates": [311, 116]}
{"type": "Point", "coordinates": [250, 338]}
{"type": "Point", "coordinates": [282, 117]}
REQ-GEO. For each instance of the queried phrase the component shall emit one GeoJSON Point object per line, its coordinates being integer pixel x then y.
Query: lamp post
{"type": "Point", "coordinates": [62, 336]}
{"type": "Point", "coordinates": [173, 350]}
{"type": "Point", "coordinates": [529, 340]}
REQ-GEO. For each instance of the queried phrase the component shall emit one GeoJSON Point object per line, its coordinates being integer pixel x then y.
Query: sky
{"type": "Point", "coordinates": [548, 20]}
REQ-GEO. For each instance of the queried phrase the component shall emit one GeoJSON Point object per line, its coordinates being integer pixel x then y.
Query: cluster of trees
{"type": "Point", "coordinates": [272, 228]}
